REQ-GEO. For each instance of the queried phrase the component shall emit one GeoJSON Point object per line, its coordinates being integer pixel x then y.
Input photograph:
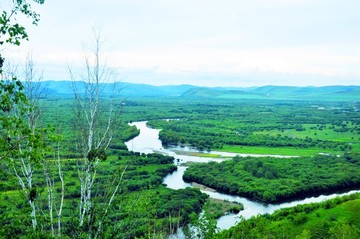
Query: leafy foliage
{"type": "Point", "coordinates": [143, 204]}
{"type": "Point", "coordinates": [11, 31]}
{"type": "Point", "coordinates": [18, 139]}
{"type": "Point", "coordinates": [336, 218]}
{"type": "Point", "coordinates": [277, 179]}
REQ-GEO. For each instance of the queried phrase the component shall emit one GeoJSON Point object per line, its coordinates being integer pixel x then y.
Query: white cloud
{"type": "Point", "coordinates": [319, 60]}
{"type": "Point", "coordinates": [289, 37]}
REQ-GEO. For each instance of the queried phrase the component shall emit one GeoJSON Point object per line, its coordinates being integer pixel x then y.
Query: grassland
{"type": "Point", "coordinates": [286, 151]}
{"type": "Point", "coordinates": [258, 127]}
{"type": "Point", "coordinates": [198, 154]}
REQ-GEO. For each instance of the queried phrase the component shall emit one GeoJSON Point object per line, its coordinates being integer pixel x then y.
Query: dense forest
{"type": "Point", "coordinates": [142, 205]}
{"type": "Point", "coordinates": [337, 218]}
{"type": "Point", "coordinates": [272, 180]}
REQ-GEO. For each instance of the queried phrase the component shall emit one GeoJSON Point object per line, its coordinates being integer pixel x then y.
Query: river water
{"type": "Point", "coordinates": [148, 142]}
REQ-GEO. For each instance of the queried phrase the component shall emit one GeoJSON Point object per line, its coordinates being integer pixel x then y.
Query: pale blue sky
{"type": "Point", "coordinates": [205, 42]}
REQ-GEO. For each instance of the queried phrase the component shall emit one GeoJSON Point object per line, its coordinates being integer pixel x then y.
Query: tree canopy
{"type": "Point", "coordinates": [11, 31]}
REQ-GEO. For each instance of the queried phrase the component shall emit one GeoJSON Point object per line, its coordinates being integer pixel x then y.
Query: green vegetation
{"type": "Point", "coordinates": [143, 205]}
{"type": "Point", "coordinates": [57, 112]}
{"type": "Point", "coordinates": [217, 208]}
{"type": "Point", "coordinates": [198, 154]}
{"type": "Point", "coordinates": [336, 218]}
{"type": "Point", "coordinates": [292, 128]}
{"type": "Point", "coordinates": [11, 31]}
{"type": "Point", "coordinates": [143, 200]}
{"type": "Point", "coordinates": [278, 179]}
{"type": "Point", "coordinates": [288, 151]}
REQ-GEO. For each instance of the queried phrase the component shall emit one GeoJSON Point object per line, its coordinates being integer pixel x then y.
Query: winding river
{"type": "Point", "coordinates": [148, 142]}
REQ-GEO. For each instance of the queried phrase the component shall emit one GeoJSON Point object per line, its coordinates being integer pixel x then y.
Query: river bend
{"type": "Point", "coordinates": [148, 142]}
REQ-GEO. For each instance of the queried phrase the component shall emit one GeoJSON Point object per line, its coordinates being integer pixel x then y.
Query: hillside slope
{"type": "Point", "coordinates": [129, 90]}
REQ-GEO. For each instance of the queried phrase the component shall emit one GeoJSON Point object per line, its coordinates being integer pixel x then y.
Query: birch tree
{"type": "Point", "coordinates": [22, 143]}
{"type": "Point", "coordinates": [55, 201]}
{"type": "Point", "coordinates": [95, 120]}
{"type": "Point", "coordinates": [25, 143]}
{"type": "Point", "coordinates": [34, 90]}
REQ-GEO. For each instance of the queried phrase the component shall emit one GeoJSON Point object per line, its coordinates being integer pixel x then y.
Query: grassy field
{"type": "Point", "coordinates": [324, 132]}
{"type": "Point", "coordinates": [198, 154]}
{"type": "Point", "coordinates": [264, 127]}
{"type": "Point", "coordinates": [286, 151]}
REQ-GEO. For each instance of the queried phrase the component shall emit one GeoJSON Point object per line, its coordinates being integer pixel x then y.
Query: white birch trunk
{"type": "Point", "coordinates": [99, 228]}
{"type": "Point", "coordinates": [50, 195]}
{"type": "Point", "coordinates": [61, 176]}
{"type": "Point", "coordinates": [94, 132]}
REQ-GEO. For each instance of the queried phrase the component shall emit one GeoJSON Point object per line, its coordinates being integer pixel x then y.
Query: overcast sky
{"type": "Point", "coordinates": [203, 42]}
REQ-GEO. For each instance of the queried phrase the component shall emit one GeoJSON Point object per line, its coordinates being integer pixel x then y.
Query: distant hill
{"type": "Point", "coordinates": [129, 90]}
{"type": "Point", "coordinates": [64, 88]}
{"type": "Point", "coordinates": [328, 93]}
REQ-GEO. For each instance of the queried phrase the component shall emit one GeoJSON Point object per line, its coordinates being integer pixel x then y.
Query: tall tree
{"type": "Point", "coordinates": [22, 143]}
{"type": "Point", "coordinates": [52, 169]}
{"type": "Point", "coordinates": [96, 115]}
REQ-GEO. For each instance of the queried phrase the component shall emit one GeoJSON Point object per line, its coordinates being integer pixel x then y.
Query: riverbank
{"type": "Point", "coordinates": [336, 218]}
{"type": "Point", "coordinates": [200, 154]}
{"type": "Point", "coordinates": [289, 151]}
{"type": "Point", "coordinates": [148, 141]}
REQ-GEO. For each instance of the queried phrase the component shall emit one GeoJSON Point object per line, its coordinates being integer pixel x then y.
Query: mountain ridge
{"type": "Point", "coordinates": [132, 90]}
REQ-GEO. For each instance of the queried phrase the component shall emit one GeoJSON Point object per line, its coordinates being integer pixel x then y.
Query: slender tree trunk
{"type": "Point", "coordinates": [93, 128]}
{"type": "Point", "coordinates": [61, 176]}
{"type": "Point", "coordinates": [119, 181]}
{"type": "Point", "coordinates": [26, 188]}
{"type": "Point", "coordinates": [50, 195]}
{"type": "Point", "coordinates": [33, 214]}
